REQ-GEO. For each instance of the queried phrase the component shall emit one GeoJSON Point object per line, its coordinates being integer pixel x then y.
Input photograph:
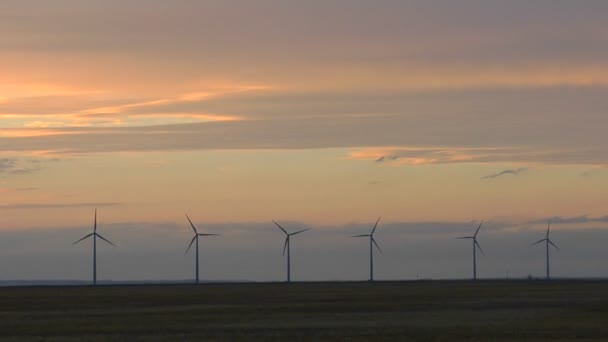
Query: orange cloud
{"type": "Point", "coordinates": [413, 155]}
{"type": "Point", "coordinates": [31, 132]}
{"type": "Point", "coordinates": [397, 156]}
{"type": "Point", "coordinates": [187, 97]}
{"type": "Point", "coordinates": [113, 115]}
{"type": "Point", "coordinates": [120, 109]}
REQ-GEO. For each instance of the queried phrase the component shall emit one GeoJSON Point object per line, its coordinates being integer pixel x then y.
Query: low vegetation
{"type": "Point", "coordinates": [437, 310]}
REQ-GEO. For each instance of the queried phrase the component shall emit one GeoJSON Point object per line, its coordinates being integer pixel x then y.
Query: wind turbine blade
{"type": "Point", "coordinates": [278, 225]}
{"type": "Point", "coordinates": [364, 235]}
{"type": "Point", "coordinates": [375, 226]}
{"type": "Point", "coordinates": [479, 247]}
{"type": "Point", "coordinates": [537, 242]}
{"type": "Point", "coordinates": [192, 224]}
{"type": "Point", "coordinates": [285, 246]}
{"type": "Point", "coordinates": [300, 231]}
{"type": "Point", "coordinates": [104, 239]}
{"type": "Point", "coordinates": [95, 221]}
{"type": "Point", "coordinates": [190, 245]}
{"type": "Point", "coordinates": [86, 236]}
{"type": "Point", "coordinates": [375, 244]}
{"type": "Point", "coordinates": [552, 244]}
{"type": "Point", "coordinates": [478, 228]}
{"type": "Point", "coordinates": [548, 228]}
{"type": "Point", "coordinates": [465, 237]}
{"type": "Point", "coordinates": [204, 234]}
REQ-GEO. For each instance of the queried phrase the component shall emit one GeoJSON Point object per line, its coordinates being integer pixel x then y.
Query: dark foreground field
{"type": "Point", "coordinates": [486, 310]}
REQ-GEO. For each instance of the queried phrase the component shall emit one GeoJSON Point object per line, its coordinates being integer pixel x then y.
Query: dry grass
{"type": "Point", "coordinates": [442, 311]}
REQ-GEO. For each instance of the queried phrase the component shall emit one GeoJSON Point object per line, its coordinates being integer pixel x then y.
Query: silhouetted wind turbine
{"type": "Point", "coordinates": [548, 242]}
{"type": "Point", "coordinates": [95, 235]}
{"type": "Point", "coordinates": [195, 238]}
{"type": "Point", "coordinates": [475, 246]}
{"type": "Point", "coordinates": [287, 247]}
{"type": "Point", "coordinates": [372, 243]}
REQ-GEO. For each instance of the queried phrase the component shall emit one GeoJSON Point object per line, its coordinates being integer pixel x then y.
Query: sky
{"type": "Point", "coordinates": [326, 114]}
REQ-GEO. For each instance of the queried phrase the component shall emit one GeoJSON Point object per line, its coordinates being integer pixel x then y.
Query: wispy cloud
{"type": "Point", "coordinates": [58, 205]}
{"type": "Point", "coordinates": [111, 110]}
{"type": "Point", "coordinates": [7, 164]}
{"type": "Point", "coordinates": [16, 166]}
{"type": "Point", "coordinates": [382, 159]}
{"type": "Point", "coordinates": [421, 155]}
{"type": "Point", "coordinates": [356, 90]}
{"type": "Point", "coordinates": [505, 173]}
{"type": "Point", "coordinates": [571, 220]}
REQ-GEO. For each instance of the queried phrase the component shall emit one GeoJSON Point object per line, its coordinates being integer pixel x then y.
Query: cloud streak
{"type": "Point", "coordinates": [513, 172]}
{"type": "Point", "coordinates": [383, 159]}
{"type": "Point", "coordinates": [571, 220]}
{"type": "Point", "coordinates": [431, 155]}
{"type": "Point", "coordinates": [384, 133]}
{"type": "Point", "coordinates": [7, 164]}
{"type": "Point", "coordinates": [29, 206]}
{"type": "Point", "coordinates": [17, 166]}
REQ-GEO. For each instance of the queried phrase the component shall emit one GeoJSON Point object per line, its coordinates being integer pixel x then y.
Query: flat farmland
{"type": "Point", "coordinates": [347, 311]}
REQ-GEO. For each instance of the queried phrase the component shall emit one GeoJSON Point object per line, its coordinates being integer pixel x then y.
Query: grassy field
{"type": "Point", "coordinates": [438, 310]}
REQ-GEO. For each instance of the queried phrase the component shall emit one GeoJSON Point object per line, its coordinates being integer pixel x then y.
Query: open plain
{"type": "Point", "coordinates": [420, 310]}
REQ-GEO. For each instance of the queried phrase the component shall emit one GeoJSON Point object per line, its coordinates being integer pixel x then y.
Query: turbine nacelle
{"type": "Point", "coordinates": [371, 235]}
{"type": "Point", "coordinates": [288, 235]}
{"type": "Point", "coordinates": [196, 234]}
{"type": "Point", "coordinates": [546, 239]}
{"type": "Point", "coordinates": [94, 233]}
{"type": "Point", "coordinates": [474, 238]}
{"type": "Point", "coordinates": [285, 231]}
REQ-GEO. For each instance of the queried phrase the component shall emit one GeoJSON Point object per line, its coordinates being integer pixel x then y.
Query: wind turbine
{"type": "Point", "coordinates": [95, 235]}
{"type": "Point", "coordinates": [475, 247]}
{"type": "Point", "coordinates": [372, 243]}
{"type": "Point", "coordinates": [287, 245]}
{"type": "Point", "coordinates": [548, 242]}
{"type": "Point", "coordinates": [195, 238]}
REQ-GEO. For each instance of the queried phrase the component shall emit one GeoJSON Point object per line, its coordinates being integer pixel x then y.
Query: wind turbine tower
{"type": "Point", "coordinates": [287, 245]}
{"type": "Point", "coordinates": [372, 243]}
{"type": "Point", "coordinates": [95, 235]}
{"type": "Point", "coordinates": [475, 247]}
{"type": "Point", "coordinates": [195, 239]}
{"type": "Point", "coordinates": [547, 242]}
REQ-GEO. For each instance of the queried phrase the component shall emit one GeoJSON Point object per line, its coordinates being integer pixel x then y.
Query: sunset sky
{"type": "Point", "coordinates": [323, 114]}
